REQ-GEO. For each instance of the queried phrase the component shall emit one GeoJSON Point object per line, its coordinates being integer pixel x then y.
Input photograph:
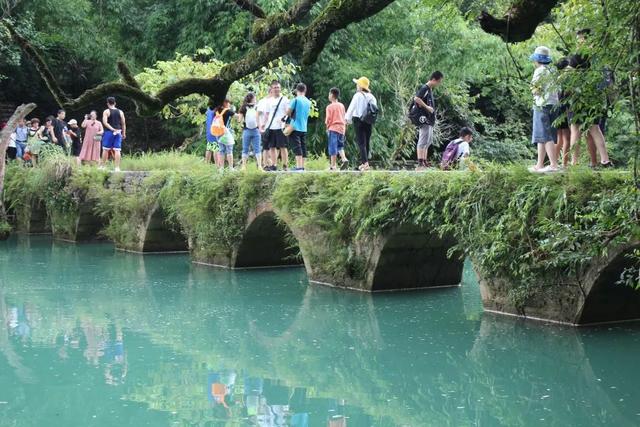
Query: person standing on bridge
{"type": "Point", "coordinates": [263, 116]}
{"type": "Point", "coordinates": [423, 115]}
{"type": "Point", "coordinates": [298, 113]}
{"type": "Point", "coordinates": [336, 127]}
{"type": "Point", "coordinates": [115, 131]}
{"type": "Point", "coordinates": [545, 100]}
{"type": "Point", "coordinates": [360, 108]}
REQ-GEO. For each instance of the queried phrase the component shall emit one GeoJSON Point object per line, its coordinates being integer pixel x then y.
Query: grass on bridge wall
{"type": "Point", "coordinates": [515, 225]}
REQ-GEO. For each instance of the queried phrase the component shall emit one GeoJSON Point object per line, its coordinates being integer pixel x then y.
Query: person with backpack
{"type": "Point", "coordinates": [298, 114]}
{"type": "Point", "coordinates": [423, 115]}
{"type": "Point", "coordinates": [457, 150]}
{"type": "Point", "coordinates": [211, 151]}
{"type": "Point", "coordinates": [248, 115]}
{"type": "Point", "coordinates": [336, 127]}
{"type": "Point", "coordinates": [221, 130]}
{"type": "Point", "coordinates": [362, 113]}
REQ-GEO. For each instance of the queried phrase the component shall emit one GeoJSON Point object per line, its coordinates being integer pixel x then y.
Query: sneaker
{"type": "Point", "coordinates": [607, 165]}
{"type": "Point", "coordinates": [344, 165]}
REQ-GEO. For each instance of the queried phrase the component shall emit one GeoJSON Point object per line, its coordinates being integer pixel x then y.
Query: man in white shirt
{"type": "Point", "coordinates": [273, 122]}
{"type": "Point", "coordinates": [263, 112]}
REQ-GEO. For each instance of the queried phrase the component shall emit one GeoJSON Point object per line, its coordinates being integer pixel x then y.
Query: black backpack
{"type": "Point", "coordinates": [371, 115]}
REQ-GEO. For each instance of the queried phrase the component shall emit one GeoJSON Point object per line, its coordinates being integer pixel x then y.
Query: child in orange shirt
{"type": "Point", "coordinates": [336, 127]}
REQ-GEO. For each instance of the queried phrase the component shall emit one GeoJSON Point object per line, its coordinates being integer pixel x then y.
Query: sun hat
{"type": "Point", "coordinates": [542, 54]}
{"type": "Point", "coordinates": [73, 122]}
{"type": "Point", "coordinates": [363, 82]}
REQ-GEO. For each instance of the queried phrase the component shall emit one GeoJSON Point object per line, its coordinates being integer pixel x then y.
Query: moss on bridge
{"type": "Point", "coordinates": [534, 233]}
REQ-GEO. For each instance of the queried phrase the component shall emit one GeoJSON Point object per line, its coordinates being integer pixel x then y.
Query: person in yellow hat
{"type": "Point", "coordinates": [358, 109]}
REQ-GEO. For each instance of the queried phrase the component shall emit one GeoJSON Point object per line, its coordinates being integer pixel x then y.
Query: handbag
{"type": "Point", "coordinates": [265, 134]}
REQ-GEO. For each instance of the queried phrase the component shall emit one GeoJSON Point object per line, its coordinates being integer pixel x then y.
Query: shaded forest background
{"type": "Point", "coordinates": [486, 83]}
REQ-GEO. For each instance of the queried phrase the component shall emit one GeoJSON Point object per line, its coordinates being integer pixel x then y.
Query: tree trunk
{"type": "Point", "coordinates": [5, 135]}
{"type": "Point", "coordinates": [520, 21]}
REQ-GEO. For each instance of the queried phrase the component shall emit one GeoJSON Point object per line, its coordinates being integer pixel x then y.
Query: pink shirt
{"type": "Point", "coordinates": [335, 120]}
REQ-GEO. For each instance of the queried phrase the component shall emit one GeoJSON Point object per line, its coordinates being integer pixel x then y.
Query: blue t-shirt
{"type": "Point", "coordinates": [302, 107]}
{"type": "Point", "coordinates": [210, 115]}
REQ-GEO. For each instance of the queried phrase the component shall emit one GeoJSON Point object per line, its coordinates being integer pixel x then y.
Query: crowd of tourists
{"type": "Point", "coordinates": [558, 119]}
{"type": "Point", "coordinates": [275, 125]}
{"type": "Point", "coordinates": [92, 141]}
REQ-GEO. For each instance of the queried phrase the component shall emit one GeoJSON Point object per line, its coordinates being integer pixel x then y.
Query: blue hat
{"type": "Point", "coordinates": [542, 55]}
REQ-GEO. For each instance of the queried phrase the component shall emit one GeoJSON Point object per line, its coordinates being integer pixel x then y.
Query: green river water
{"type": "Point", "coordinates": [94, 337]}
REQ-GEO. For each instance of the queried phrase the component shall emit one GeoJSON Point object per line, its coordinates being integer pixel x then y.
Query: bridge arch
{"type": "Point", "coordinates": [413, 257]}
{"type": "Point", "coordinates": [267, 241]}
{"type": "Point", "coordinates": [606, 300]}
{"type": "Point", "coordinates": [160, 235]}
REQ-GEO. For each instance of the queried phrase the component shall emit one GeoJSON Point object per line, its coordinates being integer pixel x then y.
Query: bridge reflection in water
{"type": "Point", "coordinates": [93, 337]}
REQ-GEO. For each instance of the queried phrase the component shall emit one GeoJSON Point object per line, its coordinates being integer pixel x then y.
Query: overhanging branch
{"type": "Point", "coordinates": [309, 41]}
{"type": "Point", "coordinates": [520, 21]}
{"type": "Point", "coordinates": [268, 27]}
{"type": "Point", "coordinates": [251, 7]}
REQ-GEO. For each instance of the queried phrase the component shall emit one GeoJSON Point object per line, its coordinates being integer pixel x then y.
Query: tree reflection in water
{"type": "Point", "coordinates": [118, 334]}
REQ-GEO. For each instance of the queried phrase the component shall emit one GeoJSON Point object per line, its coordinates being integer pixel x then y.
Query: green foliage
{"type": "Point", "coordinates": [212, 208]}
{"type": "Point", "coordinates": [526, 229]}
{"type": "Point", "coordinates": [515, 226]}
{"type": "Point", "coordinates": [190, 110]}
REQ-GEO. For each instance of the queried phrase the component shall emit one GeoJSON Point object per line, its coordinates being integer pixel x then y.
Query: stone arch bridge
{"type": "Point", "coordinates": [402, 257]}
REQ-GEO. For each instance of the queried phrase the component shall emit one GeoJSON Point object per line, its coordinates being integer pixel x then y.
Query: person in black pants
{"type": "Point", "coordinates": [357, 109]}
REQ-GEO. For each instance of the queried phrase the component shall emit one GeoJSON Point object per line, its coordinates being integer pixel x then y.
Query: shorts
{"type": "Point", "coordinates": [298, 143]}
{"type": "Point", "coordinates": [76, 147]}
{"type": "Point", "coordinates": [562, 113]}
{"type": "Point", "coordinates": [276, 139]}
{"type": "Point", "coordinates": [336, 142]}
{"type": "Point", "coordinates": [212, 146]}
{"type": "Point", "coordinates": [425, 136]}
{"type": "Point", "coordinates": [111, 141]}
{"type": "Point", "coordinates": [225, 149]}
{"type": "Point", "coordinates": [251, 139]}
{"type": "Point", "coordinates": [543, 130]}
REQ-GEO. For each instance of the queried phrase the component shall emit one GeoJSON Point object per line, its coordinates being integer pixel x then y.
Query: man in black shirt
{"type": "Point", "coordinates": [424, 115]}
{"type": "Point", "coordinates": [60, 128]}
{"type": "Point", "coordinates": [115, 131]}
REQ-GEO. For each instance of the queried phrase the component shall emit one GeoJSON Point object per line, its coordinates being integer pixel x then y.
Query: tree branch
{"type": "Point", "coordinates": [309, 41]}
{"type": "Point", "coordinates": [58, 94]}
{"type": "Point", "coordinates": [268, 27]}
{"type": "Point", "coordinates": [251, 7]}
{"type": "Point", "coordinates": [520, 21]}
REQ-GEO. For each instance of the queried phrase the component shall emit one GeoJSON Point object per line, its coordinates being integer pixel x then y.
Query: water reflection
{"type": "Point", "coordinates": [152, 340]}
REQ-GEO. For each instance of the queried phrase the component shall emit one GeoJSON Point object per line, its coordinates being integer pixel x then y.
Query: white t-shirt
{"type": "Point", "coordinates": [282, 111]}
{"type": "Point", "coordinates": [263, 108]}
{"type": "Point", "coordinates": [544, 88]}
{"type": "Point", "coordinates": [463, 150]}
{"type": "Point", "coordinates": [12, 140]}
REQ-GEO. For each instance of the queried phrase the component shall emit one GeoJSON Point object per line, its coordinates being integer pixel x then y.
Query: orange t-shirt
{"type": "Point", "coordinates": [335, 120]}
